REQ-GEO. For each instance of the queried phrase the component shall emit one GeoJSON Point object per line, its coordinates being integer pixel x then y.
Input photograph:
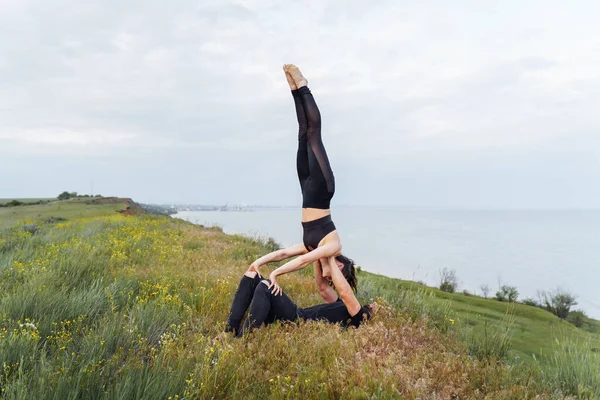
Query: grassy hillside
{"type": "Point", "coordinates": [530, 331]}
{"type": "Point", "coordinates": [69, 209]}
{"type": "Point", "coordinates": [113, 306]}
{"type": "Point", "coordinates": [4, 201]}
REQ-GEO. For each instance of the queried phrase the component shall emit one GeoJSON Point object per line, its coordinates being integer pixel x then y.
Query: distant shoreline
{"type": "Point", "coordinates": [427, 241]}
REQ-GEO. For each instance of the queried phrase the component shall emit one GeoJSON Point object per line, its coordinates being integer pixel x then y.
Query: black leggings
{"type": "Point", "coordinates": [314, 171]}
{"type": "Point", "coordinates": [265, 308]}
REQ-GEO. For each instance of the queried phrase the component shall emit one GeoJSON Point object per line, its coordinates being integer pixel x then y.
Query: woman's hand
{"type": "Point", "coordinates": [275, 288]}
{"type": "Point", "coordinates": [255, 267]}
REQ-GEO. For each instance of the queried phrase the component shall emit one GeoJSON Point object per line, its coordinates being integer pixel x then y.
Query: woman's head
{"type": "Point", "coordinates": [348, 270]}
{"type": "Point", "coordinates": [346, 265]}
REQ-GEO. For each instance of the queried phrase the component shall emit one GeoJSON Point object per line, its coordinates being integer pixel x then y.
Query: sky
{"type": "Point", "coordinates": [463, 104]}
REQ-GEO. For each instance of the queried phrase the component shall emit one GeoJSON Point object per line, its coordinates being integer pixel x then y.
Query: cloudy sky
{"type": "Point", "coordinates": [433, 104]}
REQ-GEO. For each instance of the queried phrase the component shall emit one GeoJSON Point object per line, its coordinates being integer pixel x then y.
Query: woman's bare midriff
{"type": "Point", "coordinates": [311, 214]}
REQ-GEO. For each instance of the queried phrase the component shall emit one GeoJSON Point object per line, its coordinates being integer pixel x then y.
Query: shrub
{"type": "Point", "coordinates": [54, 220]}
{"type": "Point", "coordinates": [271, 244]}
{"type": "Point", "coordinates": [64, 196]}
{"type": "Point", "coordinates": [558, 302]}
{"type": "Point", "coordinates": [507, 293]}
{"type": "Point", "coordinates": [31, 228]}
{"type": "Point", "coordinates": [466, 292]}
{"type": "Point", "coordinates": [531, 302]}
{"type": "Point", "coordinates": [485, 289]}
{"type": "Point", "coordinates": [577, 318]}
{"type": "Point", "coordinates": [448, 280]}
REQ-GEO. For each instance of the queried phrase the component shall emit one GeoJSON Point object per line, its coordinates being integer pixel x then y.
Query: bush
{"type": "Point", "coordinates": [466, 292]}
{"type": "Point", "coordinates": [12, 203]}
{"type": "Point", "coordinates": [64, 196]}
{"type": "Point", "coordinates": [54, 220]}
{"type": "Point", "coordinates": [558, 302]}
{"type": "Point", "coordinates": [31, 228]}
{"type": "Point", "coordinates": [271, 244]}
{"type": "Point", "coordinates": [577, 318]}
{"type": "Point", "coordinates": [507, 293]}
{"type": "Point", "coordinates": [485, 289]}
{"type": "Point", "coordinates": [73, 195]}
{"type": "Point", "coordinates": [531, 302]}
{"type": "Point", "coordinates": [448, 280]}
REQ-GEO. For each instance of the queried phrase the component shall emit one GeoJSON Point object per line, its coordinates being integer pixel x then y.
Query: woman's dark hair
{"type": "Point", "coordinates": [348, 271]}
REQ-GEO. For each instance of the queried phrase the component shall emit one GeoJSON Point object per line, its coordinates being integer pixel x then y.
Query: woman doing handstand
{"type": "Point", "coordinates": [321, 240]}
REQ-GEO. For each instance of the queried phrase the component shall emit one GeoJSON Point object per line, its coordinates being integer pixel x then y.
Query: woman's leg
{"type": "Point", "coordinates": [319, 166]}
{"type": "Point", "coordinates": [318, 162]}
{"type": "Point", "coordinates": [302, 154]}
{"type": "Point", "coordinates": [302, 165]}
{"type": "Point", "coordinates": [267, 308]}
{"type": "Point", "coordinates": [241, 301]}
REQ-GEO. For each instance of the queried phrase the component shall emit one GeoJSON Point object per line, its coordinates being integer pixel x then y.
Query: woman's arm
{"type": "Point", "coordinates": [279, 255]}
{"type": "Point", "coordinates": [325, 251]}
{"type": "Point", "coordinates": [343, 288]}
{"type": "Point", "coordinates": [326, 291]}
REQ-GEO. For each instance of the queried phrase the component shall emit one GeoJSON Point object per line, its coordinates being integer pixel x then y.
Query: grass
{"type": "Point", "coordinates": [28, 200]}
{"type": "Point", "coordinates": [533, 331]}
{"type": "Point", "coordinates": [591, 325]}
{"type": "Point", "coordinates": [68, 209]}
{"type": "Point", "coordinates": [104, 305]}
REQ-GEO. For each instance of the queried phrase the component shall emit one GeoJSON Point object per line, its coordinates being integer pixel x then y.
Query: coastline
{"type": "Point", "coordinates": [416, 245]}
{"type": "Point", "coordinates": [176, 278]}
{"type": "Point", "coordinates": [471, 312]}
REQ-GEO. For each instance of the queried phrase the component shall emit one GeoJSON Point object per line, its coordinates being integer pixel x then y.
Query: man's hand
{"type": "Point", "coordinates": [275, 288]}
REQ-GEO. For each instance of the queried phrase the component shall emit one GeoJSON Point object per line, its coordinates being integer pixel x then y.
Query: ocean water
{"type": "Point", "coordinates": [532, 250]}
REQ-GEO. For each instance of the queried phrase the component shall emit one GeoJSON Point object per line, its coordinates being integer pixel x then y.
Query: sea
{"type": "Point", "coordinates": [534, 250]}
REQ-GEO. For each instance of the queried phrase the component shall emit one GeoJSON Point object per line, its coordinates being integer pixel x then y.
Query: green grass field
{"type": "Point", "coordinates": [4, 201]}
{"type": "Point", "coordinates": [103, 305]}
{"type": "Point", "coordinates": [533, 331]}
{"type": "Point", "coordinates": [69, 209]}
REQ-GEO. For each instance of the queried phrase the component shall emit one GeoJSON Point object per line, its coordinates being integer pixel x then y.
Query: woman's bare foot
{"type": "Point", "coordinates": [289, 78]}
{"type": "Point", "coordinates": [299, 79]}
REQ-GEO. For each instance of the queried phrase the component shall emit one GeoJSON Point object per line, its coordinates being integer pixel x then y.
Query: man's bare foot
{"type": "Point", "coordinates": [289, 78]}
{"type": "Point", "coordinates": [297, 75]}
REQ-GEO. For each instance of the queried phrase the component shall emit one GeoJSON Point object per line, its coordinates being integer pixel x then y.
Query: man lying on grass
{"type": "Point", "coordinates": [266, 307]}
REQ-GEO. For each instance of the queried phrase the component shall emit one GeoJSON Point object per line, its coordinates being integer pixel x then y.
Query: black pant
{"type": "Point", "coordinates": [314, 171]}
{"type": "Point", "coordinates": [265, 308]}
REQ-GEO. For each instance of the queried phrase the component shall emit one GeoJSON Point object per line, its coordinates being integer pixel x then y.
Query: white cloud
{"type": "Point", "coordinates": [418, 81]}
{"type": "Point", "coordinates": [62, 137]}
